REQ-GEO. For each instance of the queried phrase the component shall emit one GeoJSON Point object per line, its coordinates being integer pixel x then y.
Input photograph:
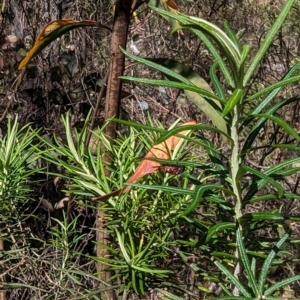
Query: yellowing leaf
{"type": "Point", "coordinates": [52, 31]}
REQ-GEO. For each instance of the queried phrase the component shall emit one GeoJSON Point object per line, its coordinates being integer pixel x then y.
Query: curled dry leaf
{"type": "Point", "coordinates": [46, 204]}
{"type": "Point", "coordinates": [148, 166]}
{"type": "Point", "coordinates": [62, 203]}
{"type": "Point", "coordinates": [52, 31]}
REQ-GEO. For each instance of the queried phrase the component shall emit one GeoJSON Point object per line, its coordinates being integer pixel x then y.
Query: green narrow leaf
{"type": "Point", "coordinates": [218, 59]}
{"type": "Point", "coordinates": [263, 104]}
{"type": "Point", "coordinates": [141, 282]}
{"type": "Point", "coordinates": [216, 82]}
{"type": "Point", "coordinates": [66, 122]}
{"type": "Point", "coordinates": [178, 129]}
{"type": "Point", "coordinates": [200, 102]}
{"type": "Point", "coordinates": [172, 84]}
{"type": "Point", "coordinates": [223, 255]}
{"type": "Point", "coordinates": [246, 262]}
{"type": "Point", "coordinates": [233, 298]}
{"type": "Point", "coordinates": [226, 291]}
{"type": "Point", "coordinates": [133, 281]}
{"type": "Point", "coordinates": [256, 128]}
{"type": "Point", "coordinates": [132, 246]}
{"type": "Point", "coordinates": [263, 216]}
{"type": "Point", "coordinates": [232, 36]}
{"type": "Point", "coordinates": [218, 227]}
{"type": "Point", "coordinates": [270, 197]}
{"type": "Point", "coordinates": [288, 172]}
{"type": "Point", "coordinates": [169, 295]}
{"type": "Point", "coordinates": [234, 99]}
{"type": "Point", "coordinates": [151, 64]}
{"type": "Point", "coordinates": [168, 189]}
{"type": "Point", "coordinates": [245, 52]}
{"type": "Point", "coordinates": [282, 124]}
{"type": "Point", "coordinates": [186, 20]}
{"type": "Point", "coordinates": [267, 264]}
{"type": "Point", "coordinates": [197, 197]}
{"type": "Point", "coordinates": [233, 280]}
{"type": "Point", "coordinates": [152, 270]}
{"type": "Point", "coordinates": [225, 43]}
{"type": "Point", "coordinates": [266, 178]}
{"type": "Point", "coordinates": [279, 285]}
{"type": "Point", "coordinates": [253, 266]}
{"type": "Point", "coordinates": [267, 41]}
{"type": "Point", "coordinates": [10, 140]}
{"type": "Point", "coordinates": [278, 85]}
{"type": "Point", "coordinates": [122, 247]}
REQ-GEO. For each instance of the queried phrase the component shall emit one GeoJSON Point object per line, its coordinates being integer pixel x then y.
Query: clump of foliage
{"type": "Point", "coordinates": [239, 183]}
{"type": "Point", "coordinates": [18, 165]}
{"type": "Point", "coordinates": [150, 241]}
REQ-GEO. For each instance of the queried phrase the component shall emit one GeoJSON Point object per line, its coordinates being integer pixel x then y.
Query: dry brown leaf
{"type": "Point", "coordinates": [171, 5]}
{"type": "Point", "coordinates": [52, 31]}
{"type": "Point", "coordinates": [148, 166]}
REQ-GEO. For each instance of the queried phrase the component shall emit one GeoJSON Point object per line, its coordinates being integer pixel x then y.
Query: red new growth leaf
{"type": "Point", "coordinates": [148, 166]}
{"type": "Point", "coordinates": [52, 31]}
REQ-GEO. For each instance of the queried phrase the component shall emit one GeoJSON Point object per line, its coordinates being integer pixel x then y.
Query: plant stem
{"type": "Point", "coordinates": [235, 167]}
{"type": "Point", "coordinates": [235, 164]}
{"type": "Point", "coordinates": [112, 109]}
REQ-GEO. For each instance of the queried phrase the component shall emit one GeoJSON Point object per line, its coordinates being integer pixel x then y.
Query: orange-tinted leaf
{"type": "Point", "coordinates": [52, 31]}
{"type": "Point", "coordinates": [148, 166]}
{"type": "Point", "coordinates": [168, 5]}
{"type": "Point", "coordinates": [161, 151]}
{"type": "Point", "coordinates": [171, 5]}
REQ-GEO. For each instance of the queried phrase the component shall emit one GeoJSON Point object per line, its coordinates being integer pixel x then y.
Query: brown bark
{"type": "Point", "coordinates": [2, 277]}
{"type": "Point", "coordinates": [119, 38]}
{"type": "Point", "coordinates": [112, 109]}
